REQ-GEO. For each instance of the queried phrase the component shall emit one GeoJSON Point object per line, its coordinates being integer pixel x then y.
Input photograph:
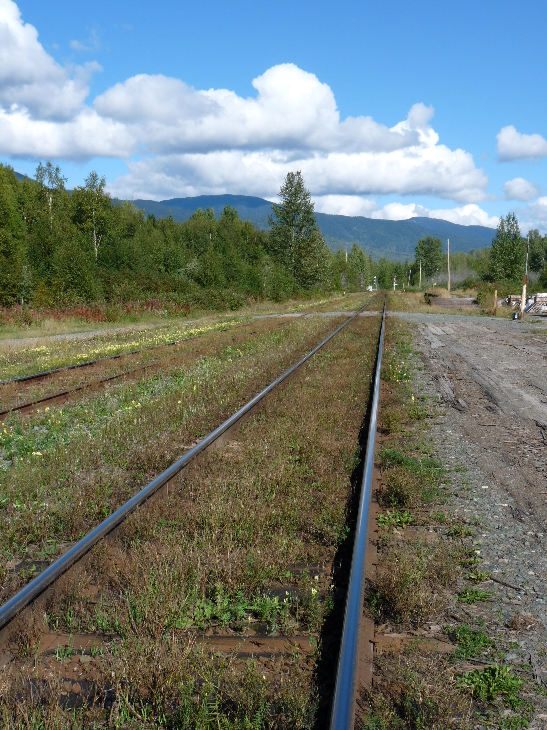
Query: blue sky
{"type": "Point", "coordinates": [446, 103]}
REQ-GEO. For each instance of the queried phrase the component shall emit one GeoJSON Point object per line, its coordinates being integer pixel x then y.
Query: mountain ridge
{"type": "Point", "coordinates": [380, 238]}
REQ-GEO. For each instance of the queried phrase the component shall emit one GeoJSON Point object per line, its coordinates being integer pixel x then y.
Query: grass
{"type": "Point", "coordinates": [479, 576]}
{"type": "Point", "coordinates": [45, 430]}
{"type": "Point", "coordinates": [205, 557]}
{"type": "Point", "coordinates": [417, 693]}
{"type": "Point", "coordinates": [395, 519]}
{"type": "Point", "coordinates": [95, 464]}
{"type": "Point", "coordinates": [408, 581]}
{"type": "Point", "coordinates": [472, 595]}
{"type": "Point", "coordinates": [489, 683]}
{"type": "Point", "coordinates": [17, 361]}
{"type": "Point", "coordinates": [471, 643]}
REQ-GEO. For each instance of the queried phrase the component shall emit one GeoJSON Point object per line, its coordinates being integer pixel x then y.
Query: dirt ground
{"type": "Point", "coordinates": [491, 376]}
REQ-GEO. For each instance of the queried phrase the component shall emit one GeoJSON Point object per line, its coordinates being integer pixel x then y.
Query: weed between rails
{"type": "Point", "coordinates": [215, 555]}
{"type": "Point", "coordinates": [417, 580]}
{"type": "Point", "coordinates": [59, 496]}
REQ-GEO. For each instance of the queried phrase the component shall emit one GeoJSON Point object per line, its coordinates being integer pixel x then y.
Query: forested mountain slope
{"type": "Point", "coordinates": [392, 239]}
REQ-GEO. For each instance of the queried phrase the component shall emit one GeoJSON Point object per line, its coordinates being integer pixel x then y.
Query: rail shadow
{"type": "Point", "coordinates": [331, 633]}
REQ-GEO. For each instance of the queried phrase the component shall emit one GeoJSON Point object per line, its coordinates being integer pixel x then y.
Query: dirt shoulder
{"type": "Point", "coordinates": [491, 377]}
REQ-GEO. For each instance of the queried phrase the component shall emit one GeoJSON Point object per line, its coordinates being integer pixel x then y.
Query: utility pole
{"type": "Point", "coordinates": [420, 273]}
{"type": "Point", "coordinates": [409, 273]}
{"type": "Point", "coordinates": [394, 282]}
{"type": "Point", "coordinates": [448, 242]}
{"type": "Point", "coordinates": [495, 298]}
{"type": "Point", "coordinates": [523, 300]}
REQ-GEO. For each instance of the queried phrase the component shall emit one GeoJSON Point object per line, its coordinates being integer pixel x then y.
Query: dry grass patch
{"type": "Point", "coordinates": [414, 692]}
{"type": "Point", "coordinates": [408, 587]}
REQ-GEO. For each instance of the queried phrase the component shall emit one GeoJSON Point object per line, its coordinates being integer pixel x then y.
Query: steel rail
{"type": "Point", "coordinates": [343, 707]}
{"type": "Point", "coordinates": [77, 389]}
{"type": "Point", "coordinates": [33, 589]}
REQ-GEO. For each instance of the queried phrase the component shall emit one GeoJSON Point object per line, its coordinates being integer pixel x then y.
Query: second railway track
{"type": "Point", "coordinates": [240, 553]}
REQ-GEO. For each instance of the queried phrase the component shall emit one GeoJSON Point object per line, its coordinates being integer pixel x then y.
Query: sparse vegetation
{"type": "Point", "coordinates": [205, 556]}
{"type": "Point", "coordinates": [471, 643]}
{"type": "Point", "coordinates": [472, 595]}
{"type": "Point", "coordinates": [419, 580]}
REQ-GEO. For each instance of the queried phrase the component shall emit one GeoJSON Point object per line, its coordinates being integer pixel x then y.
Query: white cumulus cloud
{"type": "Point", "coordinates": [436, 171]}
{"type": "Point", "coordinates": [513, 145]}
{"type": "Point", "coordinates": [30, 78]}
{"type": "Point", "coordinates": [465, 215]}
{"type": "Point", "coordinates": [344, 205]}
{"type": "Point", "coordinates": [520, 189]}
{"type": "Point", "coordinates": [178, 140]}
{"type": "Point", "coordinates": [534, 215]}
{"type": "Point", "coordinates": [400, 212]}
{"type": "Point", "coordinates": [292, 110]}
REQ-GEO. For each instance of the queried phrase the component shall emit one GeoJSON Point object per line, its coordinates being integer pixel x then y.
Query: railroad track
{"type": "Point", "coordinates": [256, 643]}
{"type": "Point", "coordinates": [62, 396]}
{"type": "Point", "coordinates": [44, 374]}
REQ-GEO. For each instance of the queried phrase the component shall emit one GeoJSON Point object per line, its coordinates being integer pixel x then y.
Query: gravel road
{"type": "Point", "coordinates": [491, 377]}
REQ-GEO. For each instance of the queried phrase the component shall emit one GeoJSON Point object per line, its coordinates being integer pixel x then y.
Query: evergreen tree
{"type": "Point", "coordinates": [508, 255]}
{"type": "Point", "coordinates": [429, 251]}
{"type": "Point", "coordinates": [295, 238]}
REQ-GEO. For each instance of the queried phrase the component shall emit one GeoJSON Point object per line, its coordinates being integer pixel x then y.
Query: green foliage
{"type": "Point", "coordinates": [395, 519]}
{"type": "Point", "coordinates": [479, 576]}
{"type": "Point", "coordinates": [472, 595]}
{"type": "Point", "coordinates": [11, 238]}
{"type": "Point", "coordinates": [386, 270]}
{"type": "Point", "coordinates": [429, 251]}
{"type": "Point", "coordinates": [60, 248]}
{"type": "Point", "coordinates": [538, 251]}
{"type": "Point", "coordinates": [508, 252]}
{"type": "Point", "coordinates": [347, 269]}
{"type": "Point", "coordinates": [359, 265]}
{"type": "Point", "coordinates": [542, 281]}
{"type": "Point", "coordinates": [295, 238]}
{"type": "Point", "coordinates": [489, 683]}
{"type": "Point", "coordinates": [470, 643]}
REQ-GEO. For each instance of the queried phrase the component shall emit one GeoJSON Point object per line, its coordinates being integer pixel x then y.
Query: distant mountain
{"type": "Point", "coordinates": [393, 239]}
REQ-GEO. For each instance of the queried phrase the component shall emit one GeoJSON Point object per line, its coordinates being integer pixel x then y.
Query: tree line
{"type": "Point", "coordinates": [59, 246]}
{"type": "Point", "coordinates": [504, 261]}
